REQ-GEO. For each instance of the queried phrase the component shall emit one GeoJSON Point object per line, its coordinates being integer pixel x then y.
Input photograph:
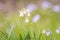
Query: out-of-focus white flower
{"type": "Point", "coordinates": [28, 10]}
{"type": "Point", "coordinates": [56, 8]}
{"type": "Point", "coordinates": [46, 4]}
{"type": "Point", "coordinates": [48, 33]}
{"type": "Point", "coordinates": [24, 11]}
{"type": "Point", "coordinates": [28, 14]}
{"type": "Point", "coordinates": [21, 13]}
{"type": "Point", "coordinates": [36, 18]}
{"type": "Point", "coordinates": [31, 7]}
{"type": "Point", "coordinates": [57, 31]}
{"type": "Point", "coordinates": [43, 31]}
{"type": "Point", "coordinates": [26, 20]}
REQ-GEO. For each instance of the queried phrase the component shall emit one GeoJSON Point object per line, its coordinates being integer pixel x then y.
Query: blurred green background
{"type": "Point", "coordinates": [13, 27]}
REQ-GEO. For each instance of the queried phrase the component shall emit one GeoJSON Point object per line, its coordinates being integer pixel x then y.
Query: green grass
{"type": "Point", "coordinates": [22, 31]}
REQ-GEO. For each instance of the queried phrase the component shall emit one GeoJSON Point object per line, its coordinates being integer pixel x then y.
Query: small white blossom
{"type": "Point", "coordinates": [28, 11]}
{"type": "Point", "coordinates": [24, 11]}
{"type": "Point", "coordinates": [26, 20]}
{"type": "Point", "coordinates": [43, 31]}
{"type": "Point", "coordinates": [56, 8]}
{"type": "Point", "coordinates": [48, 33]}
{"type": "Point", "coordinates": [21, 13]}
{"type": "Point", "coordinates": [28, 14]}
{"type": "Point", "coordinates": [57, 31]}
{"type": "Point", "coordinates": [46, 4]}
{"type": "Point", "coordinates": [36, 18]}
{"type": "Point", "coordinates": [31, 7]}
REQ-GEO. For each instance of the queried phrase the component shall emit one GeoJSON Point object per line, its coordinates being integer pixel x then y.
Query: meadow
{"type": "Point", "coordinates": [15, 27]}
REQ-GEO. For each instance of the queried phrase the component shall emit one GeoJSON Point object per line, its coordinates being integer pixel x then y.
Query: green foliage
{"type": "Point", "coordinates": [22, 31]}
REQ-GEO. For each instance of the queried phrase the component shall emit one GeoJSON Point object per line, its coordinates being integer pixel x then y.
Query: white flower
{"type": "Point", "coordinates": [48, 33]}
{"type": "Point", "coordinates": [24, 11]}
{"type": "Point", "coordinates": [56, 8]}
{"type": "Point", "coordinates": [46, 4]}
{"type": "Point", "coordinates": [36, 18]}
{"type": "Point", "coordinates": [31, 7]}
{"type": "Point", "coordinates": [26, 20]}
{"type": "Point", "coordinates": [28, 10]}
{"type": "Point", "coordinates": [21, 13]}
{"type": "Point", "coordinates": [28, 14]}
{"type": "Point", "coordinates": [43, 31]}
{"type": "Point", "coordinates": [57, 31]}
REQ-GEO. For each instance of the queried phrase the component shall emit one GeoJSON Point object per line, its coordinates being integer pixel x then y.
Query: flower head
{"type": "Point", "coordinates": [56, 8]}
{"type": "Point", "coordinates": [36, 18]}
{"type": "Point", "coordinates": [58, 30]}
{"type": "Point", "coordinates": [31, 7]}
{"type": "Point", "coordinates": [26, 20]}
{"type": "Point", "coordinates": [48, 33]}
{"type": "Point", "coordinates": [46, 4]}
{"type": "Point", "coordinates": [43, 31]}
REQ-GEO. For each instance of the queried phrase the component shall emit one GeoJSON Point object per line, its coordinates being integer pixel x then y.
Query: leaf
{"type": "Point", "coordinates": [28, 37]}
{"type": "Point", "coordinates": [20, 37]}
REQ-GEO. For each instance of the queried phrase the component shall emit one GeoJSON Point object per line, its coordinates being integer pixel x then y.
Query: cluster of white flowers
{"type": "Point", "coordinates": [23, 12]}
{"type": "Point", "coordinates": [27, 11]}
{"type": "Point", "coordinates": [46, 4]}
{"type": "Point", "coordinates": [49, 32]}
{"type": "Point", "coordinates": [31, 7]}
